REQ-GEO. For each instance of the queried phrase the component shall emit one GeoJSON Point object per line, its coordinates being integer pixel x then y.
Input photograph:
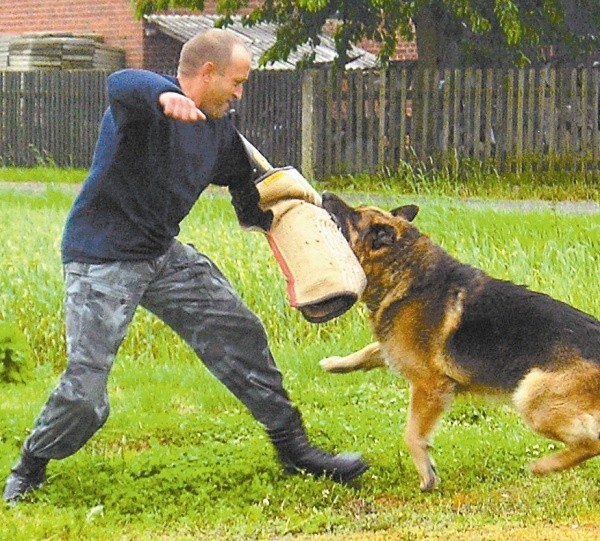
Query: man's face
{"type": "Point", "coordinates": [226, 85]}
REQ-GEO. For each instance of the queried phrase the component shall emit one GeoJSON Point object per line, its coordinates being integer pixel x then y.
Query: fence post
{"type": "Point", "coordinates": [307, 158]}
{"type": "Point", "coordinates": [382, 135]}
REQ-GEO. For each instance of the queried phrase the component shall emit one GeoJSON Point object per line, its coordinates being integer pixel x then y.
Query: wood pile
{"type": "Point", "coordinates": [64, 51]}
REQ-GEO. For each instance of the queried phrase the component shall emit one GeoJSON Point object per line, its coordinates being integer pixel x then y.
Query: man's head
{"type": "Point", "coordinates": [213, 67]}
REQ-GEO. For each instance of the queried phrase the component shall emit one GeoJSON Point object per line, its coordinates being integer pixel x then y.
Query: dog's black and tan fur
{"type": "Point", "coordinates": [449, 328]}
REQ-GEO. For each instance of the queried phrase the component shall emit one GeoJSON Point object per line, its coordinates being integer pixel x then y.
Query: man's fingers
{"type": "Point", "coordinates": [179, 107]}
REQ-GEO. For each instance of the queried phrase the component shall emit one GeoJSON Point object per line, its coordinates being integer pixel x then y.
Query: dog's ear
{"type": "Point", "coordinates": [408, 212]}
{"type": "Point", "coordinates": [382, 235]}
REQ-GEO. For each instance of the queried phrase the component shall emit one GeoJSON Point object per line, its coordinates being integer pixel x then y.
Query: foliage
{"type": "Point", "coordinates": [521, 31]}
{"type": "Point", "coordinates": [514, 28]}
{"type": "Point", "coordinates": [180, 459]}
{"type": "Point", "coordinates": [16, 364]}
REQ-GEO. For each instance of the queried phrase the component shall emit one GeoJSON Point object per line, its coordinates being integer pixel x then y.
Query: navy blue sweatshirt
{"type": "Point", "coordinates": [147, 172]}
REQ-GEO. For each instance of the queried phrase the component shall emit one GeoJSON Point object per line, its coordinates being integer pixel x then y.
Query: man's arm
{"type": "Point", "coordinates": [134, 94]}
{"type": "Point", "coordinates": [236, 172]}
{"type": "Point", "coordinates": [180, 107]}
{"type": "Point", "coordinates": [245, 200]}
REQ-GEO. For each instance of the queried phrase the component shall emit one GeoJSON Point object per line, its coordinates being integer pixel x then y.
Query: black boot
{"type": "Point", "coordinates": [28, 474]}
{"type": "Point", "coordinates": [298, 455]}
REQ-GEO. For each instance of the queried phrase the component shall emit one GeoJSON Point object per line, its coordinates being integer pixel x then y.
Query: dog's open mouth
{"type": "Point", "coordinates": [335, 219]}
{"type": "Point", "coordinates": [328, 206]}
{"type": "Point", "coordinates": [337, 210]}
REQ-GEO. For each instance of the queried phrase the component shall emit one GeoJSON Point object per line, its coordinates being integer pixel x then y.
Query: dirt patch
{"type": "Point", "coordinates": [39, 187]}
{"type": "Point", "coordinates": [538, 532]}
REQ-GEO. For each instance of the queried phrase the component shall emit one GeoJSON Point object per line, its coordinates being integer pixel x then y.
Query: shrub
{"type": "Point", "coordinates": [16, 363]}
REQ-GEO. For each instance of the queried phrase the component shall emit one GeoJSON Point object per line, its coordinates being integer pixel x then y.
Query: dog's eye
{"type": "Point", "coordinates": [383, 235]}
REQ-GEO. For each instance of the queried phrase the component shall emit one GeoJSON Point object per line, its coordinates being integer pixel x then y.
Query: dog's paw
{"type": "Point", "coordinates": [545, 465]}
{"type": "Point", "coordinates": [430, 484]}
{"type": "Point", "coordinates": [335, 365]}
{"type": "Point", "coordinates": [430, 481]}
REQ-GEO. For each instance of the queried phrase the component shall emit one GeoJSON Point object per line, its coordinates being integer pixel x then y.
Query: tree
{"type": "Point", "coordinates": [449, 33]}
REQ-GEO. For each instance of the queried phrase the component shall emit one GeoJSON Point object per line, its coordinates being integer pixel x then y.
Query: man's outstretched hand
{"type": "Point", "coordinates": [180, 107]}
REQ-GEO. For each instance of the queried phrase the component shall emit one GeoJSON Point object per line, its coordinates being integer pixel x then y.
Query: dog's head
{"type": "Point", "coordinates": [371, 231]}
{"type": "Point", "coordinates": [382, 241]}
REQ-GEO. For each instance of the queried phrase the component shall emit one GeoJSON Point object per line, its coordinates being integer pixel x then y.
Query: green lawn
{"type": "Point", "coordinates": [179, 458]}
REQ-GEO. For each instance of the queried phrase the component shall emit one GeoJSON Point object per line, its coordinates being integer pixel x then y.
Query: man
{"type": "Point", "coordinates": [162, 141]}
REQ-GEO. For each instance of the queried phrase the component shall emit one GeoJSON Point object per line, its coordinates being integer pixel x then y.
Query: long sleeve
{"type": "Point", "coordinates": [134, 93]}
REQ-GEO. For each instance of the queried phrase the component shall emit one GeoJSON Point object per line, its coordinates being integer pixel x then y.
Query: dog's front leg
{"type": "Point", "coordinates": [365, 359]}
{"type": "Point", "coordinates": [428, 401]}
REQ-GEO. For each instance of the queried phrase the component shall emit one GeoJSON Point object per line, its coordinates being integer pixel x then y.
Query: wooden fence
{"type": "Point", "coordinates": [50, 116]}
{"type": "Point", "coordinates": [365, 121]}
{"type": "Point", "coordinates": [509, 119]}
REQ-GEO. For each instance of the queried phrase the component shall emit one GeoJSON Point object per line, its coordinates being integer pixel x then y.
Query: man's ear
{"type": "Point", "coordinates": [208, 69]}
{"type": "Point", "coordinates": [408, 212]}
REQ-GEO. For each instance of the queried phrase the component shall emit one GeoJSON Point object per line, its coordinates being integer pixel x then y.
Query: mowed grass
{"type": "Point", "coordinates": [179, 458]}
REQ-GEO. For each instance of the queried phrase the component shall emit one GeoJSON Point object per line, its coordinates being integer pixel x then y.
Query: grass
{"type": "Point", "coordinates": [180, 459]}
{"type": "Point", "coordinates": [43, 173]}
{"type": "Point", "coordinates": [462, 179]}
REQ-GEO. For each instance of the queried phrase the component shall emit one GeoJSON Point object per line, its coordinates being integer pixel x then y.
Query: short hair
{"type": "Point", "coordinates": [214, 45]}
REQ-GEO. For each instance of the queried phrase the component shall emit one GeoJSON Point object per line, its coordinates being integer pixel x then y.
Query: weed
{"type": "Point", "coordinates": [15, 354]}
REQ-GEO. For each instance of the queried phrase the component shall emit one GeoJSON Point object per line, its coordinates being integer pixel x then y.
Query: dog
{"type": "Point", "coordinates": [450, 328]}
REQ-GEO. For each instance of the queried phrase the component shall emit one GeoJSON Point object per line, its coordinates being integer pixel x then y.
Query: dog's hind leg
{"type": "Point", "coordinates": [565, 459]}
{"type": "Point", "coordinates": [564, 406]}
{"type": "Point", "coordinates": [365, 359]}
{"type": "Point", "coordinates": [427, 404]}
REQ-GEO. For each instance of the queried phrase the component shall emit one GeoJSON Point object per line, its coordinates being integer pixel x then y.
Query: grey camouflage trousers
{"type": "Point", "coordinates": [188, 292]}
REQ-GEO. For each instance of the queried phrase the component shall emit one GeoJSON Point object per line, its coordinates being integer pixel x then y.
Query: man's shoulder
{"type": "Point", "coordinates": [141, 79]}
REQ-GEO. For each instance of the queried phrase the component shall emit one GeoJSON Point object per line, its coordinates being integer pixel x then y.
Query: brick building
{"type": "Point", "coordinates": [115, 22]}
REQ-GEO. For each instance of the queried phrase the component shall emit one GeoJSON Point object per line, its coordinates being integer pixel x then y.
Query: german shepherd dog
{"type": "Point", "coordinates": [449, 328]}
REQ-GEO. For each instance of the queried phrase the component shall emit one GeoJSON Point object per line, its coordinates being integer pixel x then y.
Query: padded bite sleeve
{"type": "Point", "coordinates": [324, 278]}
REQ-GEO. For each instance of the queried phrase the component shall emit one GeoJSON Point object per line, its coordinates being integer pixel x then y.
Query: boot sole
{"type": "Point", "coordinates": [351, 475]}
{"type": "Point", "coordinates": [16, 496]}
{"type": "Point", "coordinates": [338, 477]}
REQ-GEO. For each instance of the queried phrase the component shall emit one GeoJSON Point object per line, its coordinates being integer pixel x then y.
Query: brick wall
{"type": "Point", "coordinates": [406, 51]}
{"type": "Point", "coordinates": [112, 19]}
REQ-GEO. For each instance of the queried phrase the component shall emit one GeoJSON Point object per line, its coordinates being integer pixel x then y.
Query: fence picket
{"type": "Point", "coordinates": [595, 118]}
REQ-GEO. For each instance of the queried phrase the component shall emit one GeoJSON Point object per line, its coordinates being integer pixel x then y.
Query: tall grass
{"type": "Point", "coordinates": [180, 458]}
{"type": "Point", "coordinates": [472, 178]}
